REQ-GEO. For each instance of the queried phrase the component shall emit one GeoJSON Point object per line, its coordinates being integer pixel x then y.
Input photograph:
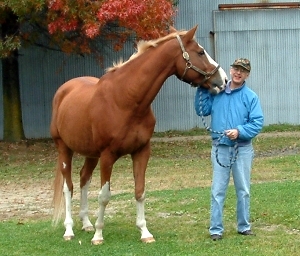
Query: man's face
{"type": "Point", "coordinates": [238, 74]}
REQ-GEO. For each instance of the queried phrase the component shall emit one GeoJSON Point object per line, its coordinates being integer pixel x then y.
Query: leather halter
{"type": "Point", "coordinates": [186, 56]}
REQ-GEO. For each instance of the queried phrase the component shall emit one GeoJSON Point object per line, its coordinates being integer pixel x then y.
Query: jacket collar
{"type": "Point", "coordinates": [229, 91]}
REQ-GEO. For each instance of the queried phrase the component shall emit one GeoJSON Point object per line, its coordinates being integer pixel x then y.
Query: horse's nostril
{"type": "Point", "coordinates": [226, 80]}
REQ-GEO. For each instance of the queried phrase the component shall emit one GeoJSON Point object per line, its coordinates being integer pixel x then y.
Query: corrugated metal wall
{"type": "Point", "coordinates": [174, 105]}
{"type": "Point", "coordinates": [40, 79]}
{"type": "Point", "coordinates": [271, 41]}
{"type": "Point", "coordinates": [41, 71]}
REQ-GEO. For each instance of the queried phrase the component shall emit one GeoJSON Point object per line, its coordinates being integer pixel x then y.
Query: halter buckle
{"type": "Point", "coordinates": [186, 56]}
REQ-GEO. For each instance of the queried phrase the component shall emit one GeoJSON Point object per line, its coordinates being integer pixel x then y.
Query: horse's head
{"type": "Point", "coordinates": [196, 67]}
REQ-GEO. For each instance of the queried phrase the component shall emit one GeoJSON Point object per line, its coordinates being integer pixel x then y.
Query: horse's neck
{"type": "Point", "coordinates": [142, 78]}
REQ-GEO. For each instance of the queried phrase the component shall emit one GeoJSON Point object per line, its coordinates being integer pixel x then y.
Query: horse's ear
{"type": "Point", "coordinates": [190, 34]}
{"type": "Point", "coordinates": [172, 29]}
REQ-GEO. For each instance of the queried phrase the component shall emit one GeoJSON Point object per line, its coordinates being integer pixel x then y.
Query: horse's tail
{"type": "Point", "coordinates": [58, 199]}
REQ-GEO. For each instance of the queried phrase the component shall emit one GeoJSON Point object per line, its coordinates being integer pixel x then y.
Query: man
{"type": "Point", "coordinates": [237, 112]}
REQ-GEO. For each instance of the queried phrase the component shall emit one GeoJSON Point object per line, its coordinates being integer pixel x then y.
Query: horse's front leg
{"type": "Point", "coordinates": [85, 180]}
{"type": "Point", "coordinates": [107, 161]}
{"type": "Point", "coordinates": [140, 161]}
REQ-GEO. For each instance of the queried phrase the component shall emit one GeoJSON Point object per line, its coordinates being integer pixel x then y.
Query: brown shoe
{"type": "Point", "coordinates": [216, 237]}
{"type": "Point", "coordinates": [247, 233]}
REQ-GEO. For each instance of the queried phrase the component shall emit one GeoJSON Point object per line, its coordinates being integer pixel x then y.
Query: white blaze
{"type": "Point", "coordinates": [221, 71]}
{"type": "Point", "coordinates": [213, 62]}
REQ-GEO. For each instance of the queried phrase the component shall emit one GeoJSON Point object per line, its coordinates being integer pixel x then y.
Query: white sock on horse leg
{"type": "Point", "coordinates": [86, 223]}
{"type": "Point", "coordinates": [140, 219]}
{"type": "Point", "coordinates": [68, 220]}
{"type": "Point", "coordinates": [104, 197]}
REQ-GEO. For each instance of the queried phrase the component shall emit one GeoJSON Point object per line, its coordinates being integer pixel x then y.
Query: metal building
{"type": "Point", "coordinates": [268, 36]}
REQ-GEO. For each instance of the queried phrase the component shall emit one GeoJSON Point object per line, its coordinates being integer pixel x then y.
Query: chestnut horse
{"type": "Point", "coordinates": [110, 117]}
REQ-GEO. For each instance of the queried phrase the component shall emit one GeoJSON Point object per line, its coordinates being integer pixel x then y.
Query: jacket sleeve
{"type": "Point", "coordinates": [255, 122]}
{"type": "Point", "coordinates": [203, 102]}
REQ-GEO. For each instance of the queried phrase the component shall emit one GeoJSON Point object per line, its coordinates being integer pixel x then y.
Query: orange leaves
{"type": "Point", "coordinates": [55, 5]}
{"type": "Point", "coordinates": [91, 30]}
{"type": "Point", "coordinates": [147, 18]}
{"type": "Point", "coordinates": [76, 25]}
{"type": "Point", "coordinates": [144, 19]}
{"type": "Point", "coordinates": [61, 18]}
{"type": "Point", "coordinates": [63, 25]}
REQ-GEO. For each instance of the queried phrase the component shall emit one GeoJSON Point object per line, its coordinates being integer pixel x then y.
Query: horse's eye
{"type": "Point", "coordinates": [201, 53]}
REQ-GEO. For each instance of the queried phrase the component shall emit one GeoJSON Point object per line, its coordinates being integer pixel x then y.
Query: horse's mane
{"type": "Point", "coordinates": [143, 46]}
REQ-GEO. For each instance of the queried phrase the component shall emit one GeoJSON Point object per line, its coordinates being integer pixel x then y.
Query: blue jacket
{"type": "Point", "coordinates": [232, 109]}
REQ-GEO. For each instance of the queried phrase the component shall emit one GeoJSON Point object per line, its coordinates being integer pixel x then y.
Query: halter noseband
{"type": "Point", "coordinates": [189, 64]}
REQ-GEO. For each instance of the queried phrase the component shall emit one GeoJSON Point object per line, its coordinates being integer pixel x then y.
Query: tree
{"type": "Point", "coordinates": [70, 26]}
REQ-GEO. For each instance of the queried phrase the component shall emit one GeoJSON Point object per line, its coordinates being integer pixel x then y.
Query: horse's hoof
{"type": "Point", "coordinates": [88, 229]}
{"type": "Point", "coordinates": [68, 238]}
{"type": "Point", "coordinates": [97, 242]}
{"type": "Point", "coordinates": [148, 240]}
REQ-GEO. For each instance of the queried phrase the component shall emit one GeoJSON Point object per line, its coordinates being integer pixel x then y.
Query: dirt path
{"type": "Point", "coordinates": [207, 137]}
{"type": "Point", "coordinates": [22, 201]}
{"type": "Point", "coordinates": [29, 201]}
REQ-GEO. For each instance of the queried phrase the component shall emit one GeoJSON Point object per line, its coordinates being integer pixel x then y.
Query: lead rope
{"type": "Point", "coordinates": [234, 156]}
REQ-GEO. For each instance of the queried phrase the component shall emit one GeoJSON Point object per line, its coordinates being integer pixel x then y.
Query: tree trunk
{"type": "Point", "coordinates": [13, 125]}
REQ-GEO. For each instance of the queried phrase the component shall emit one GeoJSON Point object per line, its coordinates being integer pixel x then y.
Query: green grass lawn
{"type": "Point", "coordinates": [177, 204]}
{"type": "Point", "coordinates": [179, 221]}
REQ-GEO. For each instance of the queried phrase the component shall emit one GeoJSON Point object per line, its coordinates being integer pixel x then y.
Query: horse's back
{"type": "Point", "coordinates": [73, 85]}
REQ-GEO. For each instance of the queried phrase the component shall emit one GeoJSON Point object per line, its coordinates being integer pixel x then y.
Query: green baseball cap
{"type": "Point", "coordinates": [242, 62]}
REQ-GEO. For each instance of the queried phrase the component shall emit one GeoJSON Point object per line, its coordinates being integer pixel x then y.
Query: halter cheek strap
{"type": "Point", "coordinates": [189, 64]}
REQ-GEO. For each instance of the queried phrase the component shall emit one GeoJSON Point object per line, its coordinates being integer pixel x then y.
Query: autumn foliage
{"type": "Point", "coordinates": [144, 18]}
{"type": "Point", "coordinates": [74, 25]}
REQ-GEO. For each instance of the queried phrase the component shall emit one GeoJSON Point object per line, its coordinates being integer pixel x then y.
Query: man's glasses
{"type": "Point", "coordinates": [242, 70]}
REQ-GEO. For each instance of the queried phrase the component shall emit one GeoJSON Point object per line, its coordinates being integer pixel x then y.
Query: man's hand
{"type": "Point", "coordinates": [232, 134]}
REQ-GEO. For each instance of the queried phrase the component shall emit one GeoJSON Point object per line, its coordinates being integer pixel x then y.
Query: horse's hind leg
{"type": "Point", "coordinates": [85, 180]}
{"type": "Point", "coordinates": [65, 166]}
